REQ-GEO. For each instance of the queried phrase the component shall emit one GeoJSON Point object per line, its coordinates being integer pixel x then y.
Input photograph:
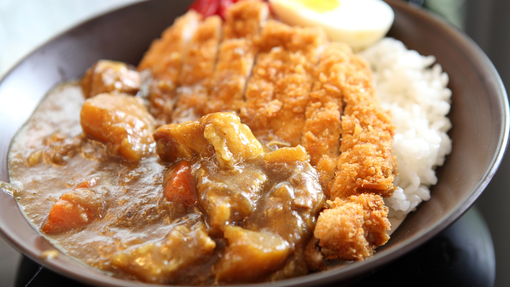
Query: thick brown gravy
{"type": "Point", "coordinates": [133, 191]}
{"type": "Point", "coordinates": [141, 235]}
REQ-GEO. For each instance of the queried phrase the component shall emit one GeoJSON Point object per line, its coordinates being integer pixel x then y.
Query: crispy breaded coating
{"type": "Point", "coordinates": [366, 162]}
{"type": "Point", "coordinates": [352, 228]}
{"type": "Point", "coordinates": [236, 55]}
{"type": "Point", "coordinates": [244, 19]}
{"type": "Point", "coordinates": [200, 57]}
{"type": "Point", "coordinates": [222, 134]}
{"type": "Point", "coordinates": [234, 66]}
{"type": "Point", "coordinates": [164, 57]}
{"type": "Point", "coordinates": [321, 136]}
{"type": "Point", "coordinates": [278, 90]}
{"type": "Point", "coordinates": [356, 222]}
{"type": "Point", "coordinates": [190, 103]}
{"type": "Point", "coordinates": [108, 76]}
{"type": "Point", "coordinates": [313, 256]}
{"type": "Point", "coordinates": [293, 39]}
{"type": "Point", "coordinates": [197, 71]}
{"type": "Point", "coordinates": [162, 65]}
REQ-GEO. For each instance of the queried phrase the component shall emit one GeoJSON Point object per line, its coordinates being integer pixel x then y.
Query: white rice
{"type": "Point", "coordinates": [415, 93]}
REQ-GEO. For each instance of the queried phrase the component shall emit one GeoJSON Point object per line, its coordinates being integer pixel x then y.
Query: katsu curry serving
{"type": "Point", "coordinates": [241, 149]}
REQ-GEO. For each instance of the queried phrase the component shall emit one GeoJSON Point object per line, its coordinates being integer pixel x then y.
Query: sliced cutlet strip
{"type": "Point", "coordinates": [197, 71]}
{"type": "Point", "coordinates": [353, 227]}
{"type": "Point", "coordinates": [278, 90]}
{"type": "Point", "coordinates": [366, 162]}
{"type": "Point", "coordinates": [365, 169]}
{"type": "Point", "coordinates": [244, 19]}
{"type": "Point", "coordinates": [237, 55]}
{"type": "Point", "coordinates": [162, 63]}
{"type": "Point", "coordinates": [321, 136]}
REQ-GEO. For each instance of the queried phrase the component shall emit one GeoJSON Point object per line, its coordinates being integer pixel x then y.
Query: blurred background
{"type": "Point", "coordinates": [26, 24]}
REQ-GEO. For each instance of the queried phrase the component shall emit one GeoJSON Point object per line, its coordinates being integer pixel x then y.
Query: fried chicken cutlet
{"type": "Point", "coordinates": [278, 90]}
{"type": "Point", "coordinates": [351, 228]}
{"type": "Point", "coordinates": [356, 221]}
{"type": "Point", "coordinates": [322, 130]}
{"type": "Point", "coordinates": [366, 162]}
{"type": "Point", "coordinates": [236, 56]}
{"type": "Point", "coordinates": [162, 63]}
{"type": "Point", "coordinates": [197, 71]}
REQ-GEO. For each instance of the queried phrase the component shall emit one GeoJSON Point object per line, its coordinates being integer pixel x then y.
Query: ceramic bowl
{"type": "Point", "coordinates": [479, 115]}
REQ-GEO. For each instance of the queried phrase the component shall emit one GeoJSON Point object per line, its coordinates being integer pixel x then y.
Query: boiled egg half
{"type": "Point", "coordinates": [359, 23]}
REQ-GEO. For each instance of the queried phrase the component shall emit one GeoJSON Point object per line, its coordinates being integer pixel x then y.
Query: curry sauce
{"type": "Point", "coordinates": [272, 198]}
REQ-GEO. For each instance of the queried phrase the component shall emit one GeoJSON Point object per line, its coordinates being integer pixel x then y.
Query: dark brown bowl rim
{"type": "Point", "coordinates": [351, 271]}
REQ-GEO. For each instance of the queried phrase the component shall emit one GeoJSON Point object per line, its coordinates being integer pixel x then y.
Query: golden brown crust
{"type": "Point", "coordinates": [278, 90]}
{"type": "Point", "coordinates": [200, 57]}
{"type": "Point", "coordinates": [162, 64]}
{"type": "Point", "coordinates": [236, 56]}
{"type": "Point", "coordinates": [322, 130]}
{"type": "Point", "coordinates": [235, 63]}
{"type": "Point", "coordinates": [366, 162]}
{"type": "Point", "coordinates": [164, 57]}
{"type": "Point", "coordinates": [352, 228]}
{"type": "Point", "coordinates": [197, 71]}
{"type": "Point", "coordinates": [244, 19]}
{"type": "Point", "coordinates": [293, 39]}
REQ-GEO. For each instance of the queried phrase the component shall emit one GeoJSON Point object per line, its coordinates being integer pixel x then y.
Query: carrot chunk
{"type": "Point", "coordinates": [179, 184]}
{"type": "Point", "coordinates": [73, 210]}
{"type": "Point", "coordinates": [88, 183]}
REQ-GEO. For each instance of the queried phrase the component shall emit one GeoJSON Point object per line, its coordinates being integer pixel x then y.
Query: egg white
{"type": "Point", "coordinates": [359, 23]}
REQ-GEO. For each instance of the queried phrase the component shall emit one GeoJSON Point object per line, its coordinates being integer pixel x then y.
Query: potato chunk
{"type": "Point", "coordinates": [251, 255]}
{"type": "Point", "coordinates": [163, 262]}
{"type": "Point", "coordinates": [109, 76]}
{"type": "Point", "coordinates": [286, 155]}
{"type": "Point", "coordinates": [122, 122]}
{"type": "Point", "coordinates": [229, 195]}
{"type": "Point", "coordinates": [223, 133]}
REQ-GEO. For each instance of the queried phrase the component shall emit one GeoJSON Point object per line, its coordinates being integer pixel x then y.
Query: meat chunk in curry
{"type": "Point", "coordinates": [107, 76]}
{"type": "Point", "coordinates": [220, 133]}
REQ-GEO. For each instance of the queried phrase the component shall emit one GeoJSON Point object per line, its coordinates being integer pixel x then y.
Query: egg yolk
{"type": "Point", "coordinates": [320, 6]}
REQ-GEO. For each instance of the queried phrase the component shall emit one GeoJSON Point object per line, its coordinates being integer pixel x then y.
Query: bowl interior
{"type": "Point", "coordinates": [479, 115]}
